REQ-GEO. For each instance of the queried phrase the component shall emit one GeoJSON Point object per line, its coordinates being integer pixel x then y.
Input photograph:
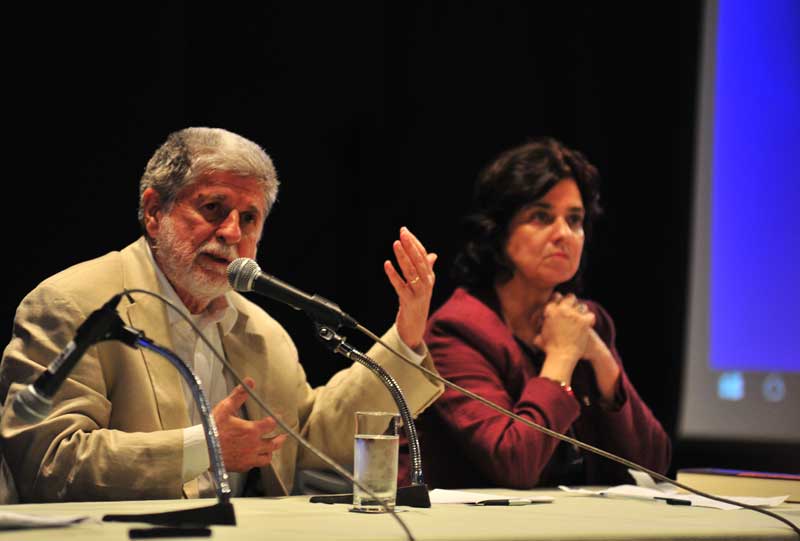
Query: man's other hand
{"type": "Point", "coordinates": [244, 443]}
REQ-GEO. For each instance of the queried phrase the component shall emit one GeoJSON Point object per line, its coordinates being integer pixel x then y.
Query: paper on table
{"type": "Point", "coordinates": [631, 491]}
{"type": "Point", "coordinates": [13, 521]}
{"type": "Point", "coordinates": [644, 480]}
{"type": "Point", "coordinates": [439, 495]}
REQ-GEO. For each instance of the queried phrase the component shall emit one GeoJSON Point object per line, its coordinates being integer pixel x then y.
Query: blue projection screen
{"type": "Point", "coordinates": [742, 373]}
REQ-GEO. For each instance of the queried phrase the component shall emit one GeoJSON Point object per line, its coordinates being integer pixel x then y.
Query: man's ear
{"type": "Point", "coordinates": [151, 203]}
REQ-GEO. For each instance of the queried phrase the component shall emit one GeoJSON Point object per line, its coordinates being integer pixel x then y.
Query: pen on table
{"type": "Point", "coordinates": [674, 501]}
{"type": "Point", "coordinates": [516, 501]}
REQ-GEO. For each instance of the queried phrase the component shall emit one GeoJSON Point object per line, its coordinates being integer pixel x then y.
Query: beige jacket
{"type": "Point", "coordinates": [115, 431]}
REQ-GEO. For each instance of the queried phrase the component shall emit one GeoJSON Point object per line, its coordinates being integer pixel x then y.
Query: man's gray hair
{"type": "Point", "coordinates": [191, 153]}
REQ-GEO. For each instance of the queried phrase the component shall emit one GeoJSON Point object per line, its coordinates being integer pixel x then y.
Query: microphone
{"type": "Point", "coordinates": [244, 275]}
{"type": "Point", "coordinates": [34, 403]}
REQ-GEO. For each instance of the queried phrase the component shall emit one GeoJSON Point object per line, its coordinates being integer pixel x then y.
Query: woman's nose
{"type": "Point", "coordinates": [560, 227]}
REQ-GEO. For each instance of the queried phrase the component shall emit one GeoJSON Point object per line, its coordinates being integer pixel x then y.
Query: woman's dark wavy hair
{"type": "Point", "coordinates": [514, 180]}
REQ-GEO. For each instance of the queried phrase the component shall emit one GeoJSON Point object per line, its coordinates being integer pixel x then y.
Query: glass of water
{"type": "Point", "coordinates": [375, 463]}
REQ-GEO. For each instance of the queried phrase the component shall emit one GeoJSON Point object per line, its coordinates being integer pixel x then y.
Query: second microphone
{"type": "Point", "coordinates": [244, 275]}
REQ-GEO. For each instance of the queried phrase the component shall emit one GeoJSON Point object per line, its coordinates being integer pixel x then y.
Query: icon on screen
{"type": "Point", "coordinates": [773, 388]}
{"type": "Point", "coordinates": [730, 386]}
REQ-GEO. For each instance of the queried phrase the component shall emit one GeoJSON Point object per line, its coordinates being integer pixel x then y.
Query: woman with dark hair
{"type": "Point", "coordinates": [515, 333]}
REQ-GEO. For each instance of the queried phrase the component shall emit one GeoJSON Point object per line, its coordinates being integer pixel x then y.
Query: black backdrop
{"type": "Point", "coordinates": [377, 115]}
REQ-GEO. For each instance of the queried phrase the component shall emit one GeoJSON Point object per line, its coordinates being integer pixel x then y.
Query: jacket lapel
{"type": "Point", "coordinates": [247, 355]}
{"type": "Point", "coordinates": [147, 313]}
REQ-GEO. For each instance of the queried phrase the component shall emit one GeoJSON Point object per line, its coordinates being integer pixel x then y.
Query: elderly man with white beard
{"type": "Point", "coordinates": [123, 425]}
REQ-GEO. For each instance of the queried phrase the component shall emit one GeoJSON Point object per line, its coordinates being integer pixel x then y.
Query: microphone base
{"type": "Point", "coordinates": [410, 496]}
{"type": "Point", "coordinates": [219, 513]}
{"type": "Point", "coordinates": [414, 496]}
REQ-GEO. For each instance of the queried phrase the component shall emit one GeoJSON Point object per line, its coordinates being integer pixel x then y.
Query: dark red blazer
{"type": "Point", "coordinates": [466, 444]}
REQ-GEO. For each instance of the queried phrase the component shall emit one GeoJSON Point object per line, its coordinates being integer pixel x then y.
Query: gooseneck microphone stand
{"type": "Point", "coordinates": [113, 328]}
{"type": "Point", "coordinates": [220, 513]}
{"type": "Point", "coordinates": [218, 470]}
{"type": "Point", "coordinates": [415, 495]}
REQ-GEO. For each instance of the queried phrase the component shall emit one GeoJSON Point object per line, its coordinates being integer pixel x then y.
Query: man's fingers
{"type": "Point", "coordinates": [427, 259]}
{"type": "Point", "coordinates": [404, 262]}
{"type": "Point", "coordinates": [421, 260]}
{"type": "Point", "coordinates": [411, 237]}
{"type": "Point", "coordinates": [265, 426]}
{"type": "Point", "coordinates": [273, 444]}
{"type": "Point", "coordinates": [263, 455]}
{"type": "Point", "coordinates": [239, 396]}
{"type": "Point", "coordinates": [415, 252]}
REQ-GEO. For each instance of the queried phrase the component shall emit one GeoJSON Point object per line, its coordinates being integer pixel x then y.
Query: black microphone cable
{"type": "Point", "coordinates": [286, 428]}
{"type": "Point", "coordinates": [573, 441]}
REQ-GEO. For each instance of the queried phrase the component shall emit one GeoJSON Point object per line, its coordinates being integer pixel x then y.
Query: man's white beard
{"type": "Point", "coordinates": [177, 261]}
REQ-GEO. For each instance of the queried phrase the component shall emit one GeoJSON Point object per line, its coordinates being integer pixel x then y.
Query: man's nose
{"type": "Point", "coordinates": [229, 231]}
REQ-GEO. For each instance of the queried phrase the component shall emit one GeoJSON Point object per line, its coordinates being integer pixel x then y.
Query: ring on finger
{"type": "Point", "coordinates": [414, 281]}
{"type": "Point", "coordinates": [582, 308]}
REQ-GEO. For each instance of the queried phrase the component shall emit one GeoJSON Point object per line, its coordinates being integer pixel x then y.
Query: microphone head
{"type": "Point", "coordinates": [242, 273]}
{"type": "Point", "coordinates": [30, 406]}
